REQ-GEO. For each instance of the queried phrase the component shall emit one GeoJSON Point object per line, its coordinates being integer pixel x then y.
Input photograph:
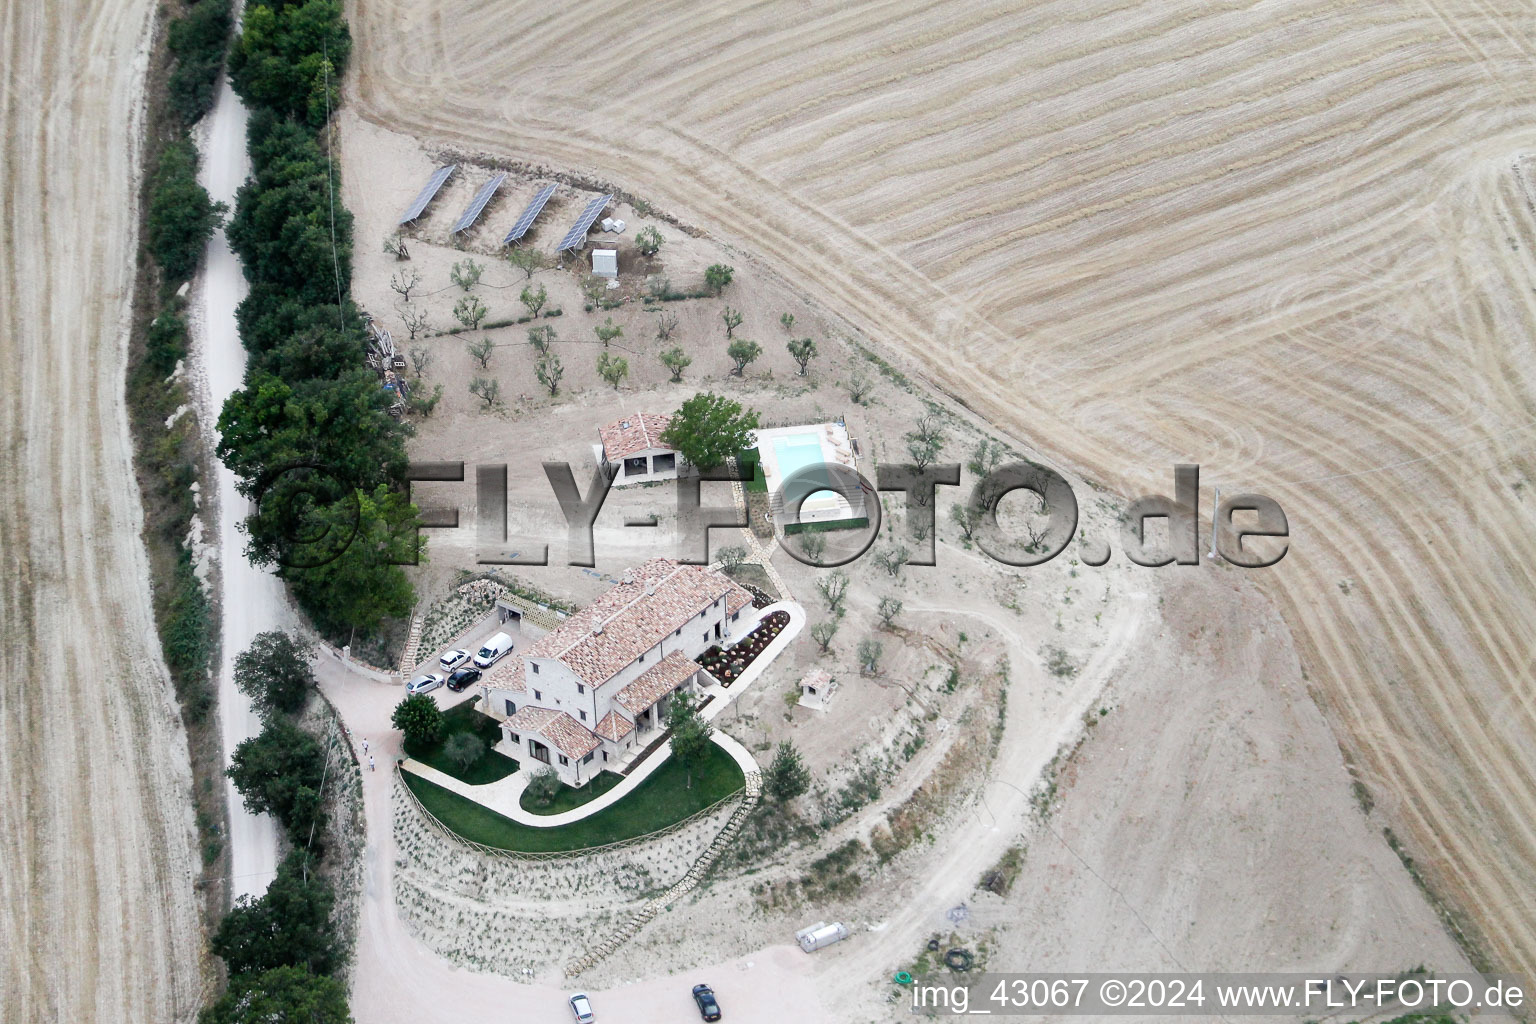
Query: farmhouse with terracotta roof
{"type": "Point", "coordinates": [591, 695]}
{"type": "Point", "coordinates": [632, 447]}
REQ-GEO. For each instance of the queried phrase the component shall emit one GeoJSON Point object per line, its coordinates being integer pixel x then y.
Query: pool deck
{"type": "Point", "coordinates": [836, 449]}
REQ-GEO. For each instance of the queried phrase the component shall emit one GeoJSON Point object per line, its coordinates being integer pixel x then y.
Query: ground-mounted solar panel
{"type": "Point", "coordinates": [426, 195]}
{"type": "Point", "coordinates": [529, 215]}
{"type": "Point", "coordinates": [577, 236]}
{"type": "Point", "coordinates": [472, 211]}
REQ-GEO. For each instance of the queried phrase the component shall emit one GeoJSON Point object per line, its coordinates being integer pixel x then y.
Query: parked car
{"type": "Point", "coordinates": [425, 683]}
{"type": "Point", "coordinates": [705, 997]}
{"type": "Point", "coordinates": [581, 1006]}
{"type": "Point", "coordinates": [496, 648]}
{"type": "Point", "coordinates": [453, 659]}
{"type": "Point", "coordinates": [462, 677]}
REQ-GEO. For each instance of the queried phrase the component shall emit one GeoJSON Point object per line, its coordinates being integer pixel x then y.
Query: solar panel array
{"type": "Point", "coordinates": [529, 215]}
{"type": "Point", "coordinates": [577, 236]}
{"type": "Point", "coordinates": [472, 211]}
{"type": "Point", "coordinates": [434, 183]}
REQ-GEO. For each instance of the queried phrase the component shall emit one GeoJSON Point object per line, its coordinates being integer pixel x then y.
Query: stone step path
{"type": "Point", "coordinates": [412, 642]}
{"type": "Point", "coordinates": [685, 885]}
{"type": "Point", "coordinates": [756, 555]}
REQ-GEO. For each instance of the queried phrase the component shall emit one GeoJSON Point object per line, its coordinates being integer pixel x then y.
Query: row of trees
{"type": "Point", "coordinates": [311, 442]}
{"type": "Point", "coordinates": [179, 218]}
{"type": "Point", "coordinates": [310, 436]}
{"type": "Point", "coordinates": [282, 949]}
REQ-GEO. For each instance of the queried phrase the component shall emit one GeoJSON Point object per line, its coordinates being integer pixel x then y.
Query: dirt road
{"type": "Point", "coordinates": [1291, 241]}
{"type": "Point", "coordinates": [250, 599]}
{"type": "Point", "coordinates": [97, 913]}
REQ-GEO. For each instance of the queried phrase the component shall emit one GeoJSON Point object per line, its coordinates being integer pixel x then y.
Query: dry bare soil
{"type": "Point", "coordinates": [98, 918]}
{"type": "Point", "coordinates": [1291, 241]}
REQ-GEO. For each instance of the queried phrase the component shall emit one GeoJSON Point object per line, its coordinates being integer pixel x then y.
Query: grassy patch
{"type": "Point", "coordinates": [758, 484]}
{"type": "Point", "coordinates": [568, 799]}
{"type": "Point", "coordinates": [659, 801]}
{"type": "Point", "coordinates": [463, 718]}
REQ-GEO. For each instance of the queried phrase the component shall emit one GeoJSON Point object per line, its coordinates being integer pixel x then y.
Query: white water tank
{"type": "Point", "coordinates": [820, 935]}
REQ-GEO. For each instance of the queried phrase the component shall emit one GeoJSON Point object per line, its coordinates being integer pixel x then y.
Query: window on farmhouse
{"type": "Point", "coordinates": [564, 759]}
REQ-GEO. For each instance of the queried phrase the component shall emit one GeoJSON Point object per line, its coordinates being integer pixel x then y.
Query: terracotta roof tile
{"type": "Point", "coordinates": [631, 618]}
{"type": "Point", "coordinates": [637, 433]}
{"type": "Point", "coordinates": [736, 600]}
{"type": "Point", "coordinates": [564, 733]}
{"type": "Point", "coordinates": [530, 718]}
{"type": "Point", "coordinates": [656, 682]}
{"type": "Point", "coordinates": [508, 675]}
{"type": "Point", "coordinates": [614, 726]}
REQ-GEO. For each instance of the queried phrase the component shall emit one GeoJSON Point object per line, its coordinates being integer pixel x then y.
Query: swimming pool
{"type": "Point", "coordinates": [809, 450]}
{"type": "Point", "coordinates": [794, 453]}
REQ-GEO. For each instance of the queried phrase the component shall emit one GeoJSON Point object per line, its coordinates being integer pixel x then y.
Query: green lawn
{"type": "Point", "coordinates": [568, 799]}
{"type": "Point", "coordinates": [750, 460]}
{"type": "Point", "coordinates": [463, 717]}
{"type": "Point", "coordinates": [659, 801]}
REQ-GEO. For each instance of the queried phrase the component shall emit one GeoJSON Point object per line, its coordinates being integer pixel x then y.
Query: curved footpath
{"type": "Point", "coordinates": [504, 796]}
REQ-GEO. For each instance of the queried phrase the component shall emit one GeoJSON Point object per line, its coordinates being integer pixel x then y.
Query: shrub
{"type": "Point", "coordinates": [418, 718]}
{"type": "Point", "coordinates": [464, 749]}
{"type": "Point", "coordinates": [278, 772]}
{"type": "Point", "coordinates": [274, 672]}
{"type": "Point", "coordinates": [543, 786]}
{"type": "Point", "coordinates": [288, 926]}
{"type": "Point", "coordinates": [181, 216]}
{"type": "Point", "coordinates": [198, 41]}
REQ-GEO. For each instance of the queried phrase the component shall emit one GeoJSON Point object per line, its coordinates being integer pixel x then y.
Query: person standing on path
{"type": "Point", "coordinates": [370, 762]}
{"type": "Point", "coordinates": [365, 744]}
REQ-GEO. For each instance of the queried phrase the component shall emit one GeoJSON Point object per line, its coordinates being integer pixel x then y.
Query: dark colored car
{"type": "Point", "coordinates": [705, 997]}
{"type": "Point", "coordinates": [462, 678]}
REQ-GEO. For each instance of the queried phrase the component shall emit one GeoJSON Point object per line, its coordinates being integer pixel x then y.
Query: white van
{"type": "Point", "coordinates": [494, 650]}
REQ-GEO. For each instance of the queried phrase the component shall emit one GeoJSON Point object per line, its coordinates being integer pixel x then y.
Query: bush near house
{"type": "Point", "coordinates": [463, 721]}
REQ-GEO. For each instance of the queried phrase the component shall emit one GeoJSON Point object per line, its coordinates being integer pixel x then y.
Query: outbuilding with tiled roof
{"type": "Point", "coordinates": [632, 448]}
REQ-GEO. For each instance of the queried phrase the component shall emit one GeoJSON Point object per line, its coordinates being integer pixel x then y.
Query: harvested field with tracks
{"type": "Point", "coordinates": [1290, 241]}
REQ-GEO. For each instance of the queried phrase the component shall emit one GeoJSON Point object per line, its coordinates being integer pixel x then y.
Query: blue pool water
{"type": "Point", "coordinates": [796, 452]}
